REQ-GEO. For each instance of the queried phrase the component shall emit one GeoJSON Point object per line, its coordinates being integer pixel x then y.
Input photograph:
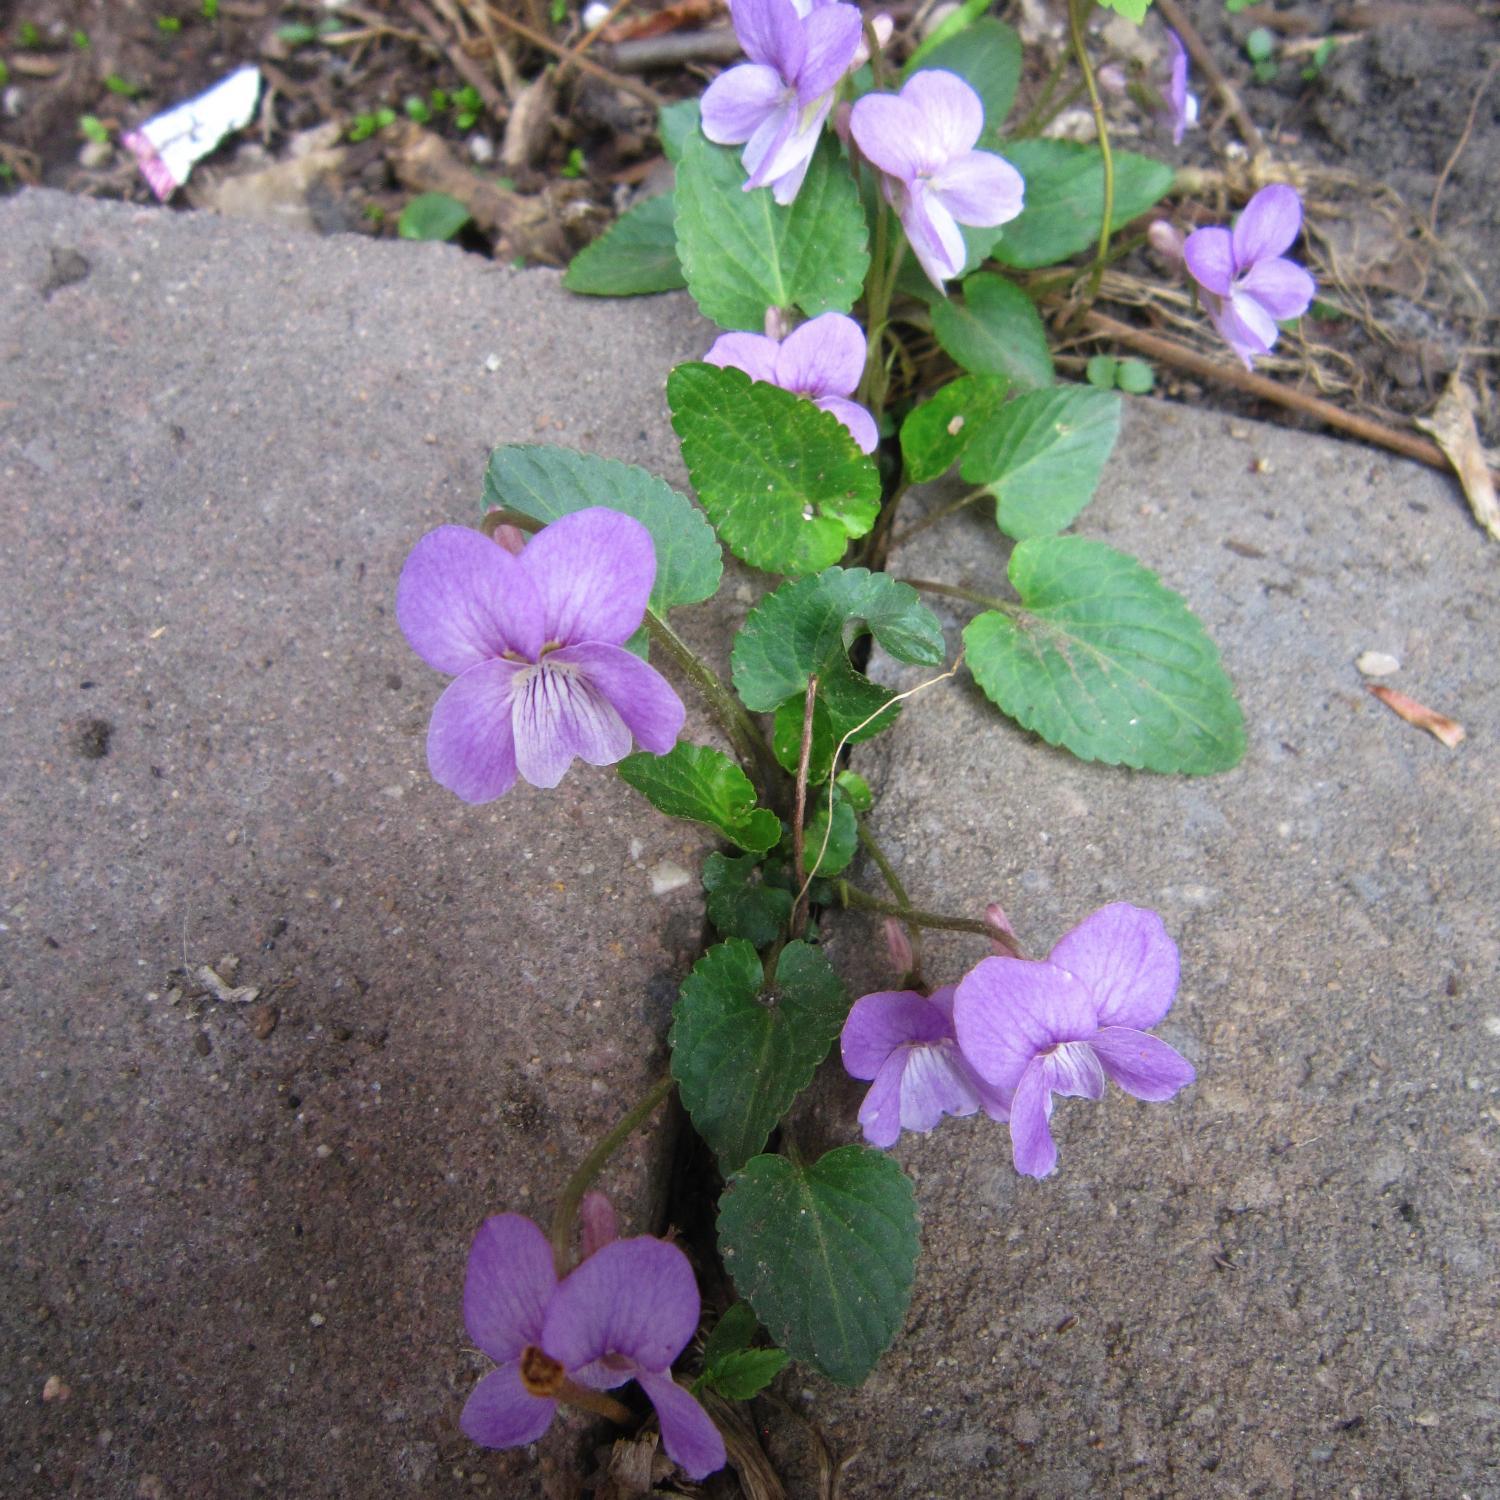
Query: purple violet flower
{"type": "Point", "coordinates": [776, 103]}
{"type": "Point", "coordinates": [906, 1043]}
{"type": "Point", "coordinates": [1247, 286]}
{"type": "Point", "coordinates": [923, 140]}
{"type": "Point", "coordinates": [822, 360]}
{"type": "Point", "coordinates": [1182, 105]}
{"type": "Point", "coordinates": [623, 1314]}
{"type": "Point", "coordinates": [1061, 1026]}
{"type": "Point", "coordinates": [535, 643]}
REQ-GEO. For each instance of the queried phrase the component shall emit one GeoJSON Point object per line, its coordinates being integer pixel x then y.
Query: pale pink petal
{"type": "Point", "coordinates": [688, 1433]}
{"type": "Point", "coordinates": [509, 1282]}
{"type": "Point", "coordinates": [952, 113]}
{"type": "Point", "coordinates": [980, 188]}
{"type": "Point", "coordinates": [832, 34]}
{"type": "Point", "coordinates": [934, 235]}
{"type": "Point", "coordinates": [1129, 963]}
{"type": "Point", "coordinates": [1142, 1065]}
{"type": "Point", "coordinates": [889, 131]}
{"type": "Point", "coordinates": [502, 1413]}
{"type": "Point", "coordinates": [1281, 287]}
{"type": "Point", "coordinates": [880, 1110]}
{"type": "Point", "coordinates": [753, 353]}
{"type": "Point", "coordinates": [1271, 221]}
{"type": "Point", "coordinates": [593, 571]}
{"type": "Point", "coordinates": [770, 31]}
{"type": "Point", "coordinates": [461, 599]}
{"type": "Point", "coordinates": [637, 692]}
{"type": "Point", "coordinates": [560, 714]}
{"type": "Point", "coordinates": [738, 101]}
{"type": "Point", "coordinates": [1209, 254]}
{"type": "Point", "coordinates": [1032, 1148]}
{"type": "Point", "coordinates": [860, 423]}
{"type": "Point", "coordinates": [470, 739]}
{"type": "Point", "coordinates": [1008, 1010]}
{"type": "Point", "coordinates": [824, 357]}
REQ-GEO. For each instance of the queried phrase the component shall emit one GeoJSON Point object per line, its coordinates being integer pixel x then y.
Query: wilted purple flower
{"type": "Point", "coordinates": [1032, 1030]}
{"type": "Point", "coordinates": [534, 642]}
{"type": "Point", "coordinates": [906, 1043]}
{"type": "Point", "coordinates": [923, 140]}
{"type": "Point", "coordinates": [822, 360]}
{"type": "Point", "coordinates": [623, 1314]}
{"type": "Point", "coordinates": [1183, 105]}
{"type": "Point", "coordinates": [777, 102]}
{"type": "Point", "coordinates": [1247, 286]}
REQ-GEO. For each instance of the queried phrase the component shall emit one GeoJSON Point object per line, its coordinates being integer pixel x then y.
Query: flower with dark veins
{"type": "Point", "coordinates": [776, 103]}
{"type": "Point", "coordinates": [822, 360]}
{"type": "Point", "coordinates": [624, 1313]}
{"type": "Point", "coordinates": [906, 1043]}
{"type": "Point", "coordinates": [1247, 284]}
{"type": "Point", "coordinates": [536, 646]}
{"type": "Point", "coordinates": [1064, 1025]}
{"type": "Point", "coordinates": [922, 140]}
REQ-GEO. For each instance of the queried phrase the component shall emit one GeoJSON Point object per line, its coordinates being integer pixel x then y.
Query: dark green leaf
{"type": "Point", "coordinates": [1042, 454]}
{"type": "Point", "coordinates": [743, 252]}
{"type": "Point", "coordinates": [857, 790]}
{"type": "Point", "coordinates": [550, 482]}
{"type": "Point", "coordinates": [635, 255]}
{"type": "Point", "coordinates": [741, 906]}
{"type": "Point", "coordinates": [828, 853]}
{"type": "Point", "coordinates": [987, 56]}
{"type": "Point", "coordinates": [995, 330]}
{"type": "Point", "coordinates": [703, 785]}
{"type": "Point", "coordinates": [1104, 659]}
{"type": "Point", "coordinates": [847, 704]}
{"type": "Point", "coordinates": [738, 1377]}
{"type": "Point", "coordinates": [432, 216]}
{"type": "Point", "coordinates": [935, 434]}
{"type": "Point", "coordinates": [825, 1253]}
{"type": "Point", "coordinates": [1065, 198]}
{"type": "Point", "coordinates": [783, 482]}
{"type": "Point", "coordinates": [740, 1055]}
{"type": "Point", "coordinates": [731, 1334]}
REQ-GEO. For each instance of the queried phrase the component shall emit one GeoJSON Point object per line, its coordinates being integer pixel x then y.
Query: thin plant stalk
{"type": "Point", "coordinates": [1077, 11]}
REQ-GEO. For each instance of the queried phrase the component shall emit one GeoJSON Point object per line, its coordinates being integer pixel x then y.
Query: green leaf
{"type": "Point", "coordinates": [995, 330]}
{"type": "Point", "coordinates": [675, 124]}
{"type": "Point", "coordinates": [825, 1253]}
{"type": "Point", "coordinates": [1065, 198]}
{"type": "Point", "coordinates": [847, 704]}
{"type": "Point", "coordinates": [806, 626]}
{"type": "Point", "coordinates": [783, 482]}
{"type": "Point", "coordinates": [738, 1377]}
{"type": "Point", "coordinates": [1104, 659]}
{"type": "Point", "coordinates": [432, 216]}
{"type": "Point", "coordinates": [740, 1055]}
{"type": "Point", "coordinates": [831, 857]}
{"type": "Point", "coordinates": [703, 785]}
{"type": "Point", "coordinates": [1041, 456]}
{"type": "Point", "coordinates": [935, 434]}
{"type": "Point", "coordinates": [857, 790]}
{"type": "Point", "coordinates": [1135, 377]}
{"type": "Point", "coordinates": [635, 255]}
{"type": "Point", "coordinates": [741, 907]}
{"type": "Point", "coordinates": [547, 482]}
{"type": "Point", "coordinates": [732, 1334]}
{"type": "Point", "coordinates": [987, 56]}
{"type": "Point", "coordinates": [1132, 10]}
{"type": "Point", "coordinates": [743, 252]}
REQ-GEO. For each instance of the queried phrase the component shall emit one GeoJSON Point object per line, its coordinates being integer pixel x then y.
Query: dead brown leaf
{"type": "Point", "coordinates": [1452, 428]}
{"type": "Point", "coordinates": [1440, 726]}
{"type": "Point", "coordinates": [675, 17]}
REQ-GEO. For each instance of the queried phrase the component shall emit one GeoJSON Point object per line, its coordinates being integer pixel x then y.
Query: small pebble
{"type": "Point", "coordinates": [667, 877]}
{"type": "Point", "coordinates": [95, 154]}
{"type": "Point", "coordinates": [262, 1019]}
{"type": "Point", "coordinates": [492, 362]}
{"type": "Point", "coordinates": [1426, 1419]}
{"type": "Point", "coordinates": [1376, 663]}
{"type": "Point", "coordinates": [54, 1389]}
{"type": "Point", "coordinates": [481, 149]}
{"type": "Point", "coordinates": [317, 1320]}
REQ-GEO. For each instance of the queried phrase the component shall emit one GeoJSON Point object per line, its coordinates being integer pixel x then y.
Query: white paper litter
{"type": "Point", "coordinates": [167, 146]}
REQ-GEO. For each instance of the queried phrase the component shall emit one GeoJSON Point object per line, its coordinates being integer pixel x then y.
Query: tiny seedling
{"type": "Point", "coordinates": [81, 41]}
{"type": "Point", "coordinates": [573, 167]}
{"type": "Point", "coordinates": [122, 86]}
{"type": "Point", "coordinates": [1319, 60]}
{"type": "Point", "coordinates": [432, 216]}
{"type": "Point", "coordinates": [94, 128]}
{"type": "Point", "coordinates": [210, 10]}
{"type": "Point", "coordinates": [169, 25]}
{"type": "Point", "coordinates": [375, 212]}
{"type": "Point", "coordinates": [1133, 376]}
{"type": "Point", "coordinates": [28, 35]}
{"type": "Point", "coordinates": [559, 12]}
{"type": "Point", "coordinates": [466, 106]}
{"type": "Point", "coordinates": [417, 109]}
{"type": "Point", "coordinates": [1260, 48]}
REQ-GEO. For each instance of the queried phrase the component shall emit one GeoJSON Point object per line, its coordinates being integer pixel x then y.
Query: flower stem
{"type": "Point", "coordinates": [799, 834]}
{"type": "Point", "coordinates": [1077, 10]}
{"type": "Point", "coordinates": [596, 1402]}
{"type": "Point", "coordinates": [893, 880]}
{"type": "Point", "coordinates": [953, 591]}
{"type": "Point", "coordinates": [860, 900]}
{"type": "Point", "coordinates": [566, 1214]}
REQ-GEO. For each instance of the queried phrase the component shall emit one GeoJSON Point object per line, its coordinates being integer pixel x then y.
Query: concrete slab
{"type": "Point", "coordinates": [242, 1253]}
{"type": "Point", "coordinates": [1286, 1281]}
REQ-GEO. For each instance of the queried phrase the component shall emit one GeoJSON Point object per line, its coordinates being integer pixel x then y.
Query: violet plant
{"type": "Point", "coordinates": [847, 371]}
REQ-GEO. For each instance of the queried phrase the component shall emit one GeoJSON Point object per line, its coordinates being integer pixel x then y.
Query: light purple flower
{"type": "Point", "coordinates": [822, 360]}
{"type": "Point", "coordinates": [1062, 1026]}
{"type": "Point", "coordinates": [535, 643]}
{"type": "Point", "coordinates": [777, 102]}
{"type": "Point", "coordinates": [906, 1043]}
{"type": "Point", "coordinates": [1183, 105]}
{"type": "Point", "coordinates": [1247, 286]}
{"type": "Point", "coordinates": [923, 140]}
{"type": "Point", "coordinates": [623, 1314]}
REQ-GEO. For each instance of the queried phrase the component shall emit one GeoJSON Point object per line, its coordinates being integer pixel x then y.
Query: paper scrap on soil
{"type": "Point", "coordinates": [1452, 428]}
{"type": "Point", "coordinates": [1376, 663]}
{"type": "Point", "coordinates": [167, 145]}
{"type": "Point", "coordinates": [1440, 726]}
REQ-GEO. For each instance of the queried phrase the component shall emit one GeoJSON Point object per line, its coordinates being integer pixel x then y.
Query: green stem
{"type": "Point", "coordinates": [566, 1213]}
{"type": "Point", "coordinates": [1077, 10]}
{"type": "Point", "coordinates": [941, 514]}
{"type": "Point", "coordinates": [1037, 115]}
{"type": "Point", "coordinates": [877, 306]}
{"type": "Point", "coordinates": [852, 896]}
{"type": "Point", "coordinates": [799, 833]}
{"type": "Point", "coordinates": [953, 591]}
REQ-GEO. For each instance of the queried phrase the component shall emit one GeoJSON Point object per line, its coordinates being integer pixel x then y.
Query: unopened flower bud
{"type": "Point", "coordinates": [1166, 240]}
{"type": "Point", "coordinates": [778, 323]}
{"type": "Point", "coordinates": [597, 1225]}
{"type": "Point", "coordinates": [898, 945]}
{"type": "Point", "coordinates": [512, 538]}
{"type": "Point", "coordinates": [841, 115]}
{"type": "Point", "coordinates": [1005, 942]}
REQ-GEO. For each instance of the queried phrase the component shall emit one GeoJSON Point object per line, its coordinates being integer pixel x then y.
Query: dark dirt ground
{"type": "Point", "coordinates": [1383, 112]}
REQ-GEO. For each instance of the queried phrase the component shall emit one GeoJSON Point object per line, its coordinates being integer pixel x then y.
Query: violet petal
{"type": "Point", "coordinates": [980, 188]}
{"type": "Point", "coordinates": [880, 1023]}
{"type": "Point", "coordinates": [738, 101]}
{"type": "Point", "coordinates": [509, 1281]}
{"type": "Point", "coordinates": [770, 31]}
{"type": "Point", "coordinates": [860, 423]}
{"type": "Point", "coordinates": [952, 113]}
{"type": "Point", "coordinates": [1271, 221]}
{"type": "Point", "coordinates": [1209, 254]}
{"type": "Point", "coordinates": [1281, 287]}
{"type": "Point", "coordinates": [593, 570]}
{"type": "Point", "coordinates": [470, 739]}
{"type": "Point", "coordinates": [559, 715]}
{"type": "Point", "coordinates": [1073, 1071]}
{"type": "Point", "coordinates": [1142, 1065]}
{"type": "Point", "coordinates": [933, 234]}
{"type": "Point", "coordinates": [889, 132]}
{"type": "Point", "coordinates": [461, 599]}
{"type": "Point", "coordinates": [688, 1433]}
{"type": "Point", "coordinates": [880, 1110]}
{"type": "Point", "coordinates": [1032, 1148]}
{"type": "Point", "coordinates": [753, 353]}
{"type": "Point", "coordinates": [832, 33]}
{"type": "Point", "coordinates": [637, 692]}
{"type": "Point", "coordinates": [825, 356]}
{"type": "Point", "coordinates": [502, 1413]}
{"type": "Point", "coordinates": [1125, 957]}
{"type": "Point", "coordinates": [1010, 1009]}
